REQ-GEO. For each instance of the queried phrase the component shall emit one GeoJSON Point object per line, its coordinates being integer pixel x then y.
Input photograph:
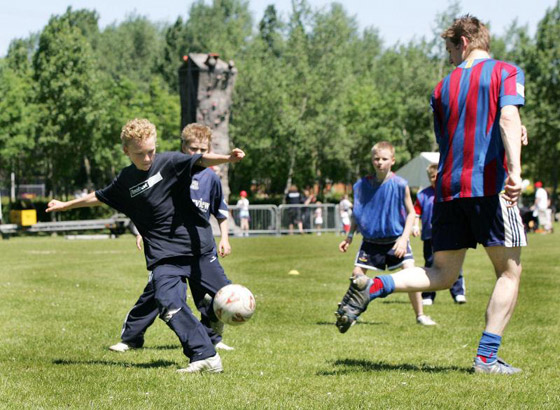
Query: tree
{"type": "Point", "coordinates": [18, 121]}
{"type": "Point", "coordinates": [69, 101]}
{"type": "Point", "coordinates": [543, 94]}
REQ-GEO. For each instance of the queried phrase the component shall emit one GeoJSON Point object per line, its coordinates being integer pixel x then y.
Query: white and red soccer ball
{"type": "Point", "coordinates": [234, 304]}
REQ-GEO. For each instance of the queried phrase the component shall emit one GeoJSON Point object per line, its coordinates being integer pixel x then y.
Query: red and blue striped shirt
{"type": "Point", "coordinates": [466, 106]}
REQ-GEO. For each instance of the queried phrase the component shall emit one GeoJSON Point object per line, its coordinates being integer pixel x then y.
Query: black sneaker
{"type": "Point", "coordinates": [354, 302]}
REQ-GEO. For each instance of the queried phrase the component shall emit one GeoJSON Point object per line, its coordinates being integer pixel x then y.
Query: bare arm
{"type": "Point", "coordinates": [210, 159]}
{"type": "Point", "coordinates": [511, 131]}
{"type": "Point", "coordinates": [85, 201]}
{"type": "Point", "coordinates": [224, 248]}
{"type": "Point", "coordinates": [401, 243]}
{"type": "Point", "coordinates": [343, 246]}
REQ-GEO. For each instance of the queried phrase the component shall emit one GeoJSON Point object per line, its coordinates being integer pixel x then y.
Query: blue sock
{"type": "Point", "coordinates": [382, 286]}
{"type": "Point", "coordinates": [488, 347]}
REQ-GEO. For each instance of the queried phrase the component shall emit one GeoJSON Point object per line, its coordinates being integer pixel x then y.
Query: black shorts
{"type": "Point", "coordinates": [375, 256]}
{"type": "Point", "coordinates": [464, 222]}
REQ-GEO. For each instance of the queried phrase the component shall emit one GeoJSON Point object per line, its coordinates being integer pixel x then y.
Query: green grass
{"type": "Point", "coordinates": [62, 304]}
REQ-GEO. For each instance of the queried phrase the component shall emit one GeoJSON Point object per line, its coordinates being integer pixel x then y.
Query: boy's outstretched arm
{"type": "Point", "coordinates": [210, 159]}
{"type": "Point", "coordinates": [402, 243]}
{"type": "Point", "coordinates": [89, 200]}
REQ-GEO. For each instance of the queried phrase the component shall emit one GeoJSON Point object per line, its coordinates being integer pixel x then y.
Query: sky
{"type": "Point", "coordinates": [396, 20]}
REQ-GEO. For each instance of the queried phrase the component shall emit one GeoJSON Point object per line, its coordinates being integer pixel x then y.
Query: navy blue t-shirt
{"type": "Point", "coordinates": [207, 194]}
{"type": "Point", "coordinates": [158, 202]}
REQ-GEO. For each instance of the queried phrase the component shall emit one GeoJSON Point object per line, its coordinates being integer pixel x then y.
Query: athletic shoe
{"type": "Point", "coordinates": [223, 346]}
{"type": "Point", "coordinates": [353, 303]}
{"type": "Point", "coordinates": [496, 367]}
{"type": "Point", "coordinates": [120, 347]}
{"type": "Point", "coordinates": [425, 320]}
{"type": "Point", "coordinates": [460, 299]}
{"type": "Point", "coordinates": [427, 302]}
{"type": "Point", "coordinates": [211, 365]}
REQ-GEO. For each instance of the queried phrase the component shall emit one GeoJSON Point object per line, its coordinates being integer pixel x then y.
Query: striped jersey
{"type": "Point", "coordinates": [466, 106]}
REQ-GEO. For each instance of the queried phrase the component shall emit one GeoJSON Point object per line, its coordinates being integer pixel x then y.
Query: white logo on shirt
{"type": "Point", "coordinates": [144, 186]}
{"type": "Point", "coordinates": [202, 205]}
{"type": "Point", "coordinates": [212, 259]}
{"type": "Point", "coordinates": [194, 185]}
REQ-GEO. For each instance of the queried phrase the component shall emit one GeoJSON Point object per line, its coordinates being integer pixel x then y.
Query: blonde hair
{"type": "Point", "coordinates": [383, 145]}
{"type": "Point", "coordinates": [471, 28]}
{"type": "Point", "coordinates": [138, 129]}
{"type": "Point", "coordinates": [432, 169]}
{"type": "Point", "coordinates": [197, 132]}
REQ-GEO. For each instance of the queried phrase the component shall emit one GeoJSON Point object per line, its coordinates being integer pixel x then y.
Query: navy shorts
{"type": "Point", "coordinates": [377, 256]}
{"type": "Point", "coordinates": [465, 222]}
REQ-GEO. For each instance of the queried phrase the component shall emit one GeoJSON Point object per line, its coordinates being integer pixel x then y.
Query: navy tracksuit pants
{"type": "Point", "coordinates": [165, 295]}
{"type": "Point", "coordinates": [458, 287]}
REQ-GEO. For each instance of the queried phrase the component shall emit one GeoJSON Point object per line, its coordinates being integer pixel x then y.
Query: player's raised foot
{"type": "Point", "coordinates": [210, 365]}
{"type": "Point", "coordinates": [354, 302]}
{"type": "Point", "coordinates": [425, 320]}
{"type": "Point", "coordinates": [120, 347]}
{"type": "Point", "coordinates": [427, 302]}
{"type": "Point", "coordinates": [496, 367]}
{"type": "Point", "coordinates": [460, 299]}
{"type": "Point", "coordinates": [223, 346]}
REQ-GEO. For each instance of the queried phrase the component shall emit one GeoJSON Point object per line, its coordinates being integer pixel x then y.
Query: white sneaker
{"type": "Point", "coordinates": [460, 299]}
{"type": "Point", "coordinates": [120, 347]}
{"type": "Point", "coordinates": [427, 302]}
{"type": "Point", "coordinates": [425, 320]}
{"type": "Point", "coordinates": [211, 365]}
{"type": "Point", "coordinates": [223, 346]}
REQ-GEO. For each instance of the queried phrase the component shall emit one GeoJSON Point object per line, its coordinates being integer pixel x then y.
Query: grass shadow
{"type": "Point", "coordinates": [346, 366]}
{"type": "Point", "coordinates": [358, 323]}
{"type": "Point", "coordinates": [396, 302]}
{"type": "Point", "coordinates": [149, 365]}
{"type": "Point", "coordinates": [162, 347]}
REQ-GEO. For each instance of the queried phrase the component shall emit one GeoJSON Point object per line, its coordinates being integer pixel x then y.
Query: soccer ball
{"type": "Point", "coordinates": [234, 304]}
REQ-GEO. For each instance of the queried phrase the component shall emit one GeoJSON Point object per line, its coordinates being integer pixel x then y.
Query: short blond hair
{"type": "Point", "coordinates": [432, 169]}
{"type": "Point", "coordinates": [383, 145]}
{"type": "Point", "coordinates": [138, 129]}
{"type": "Point", "coordinates": [197, 132]}
{"type": "Point", "coordinates": [472, 29]}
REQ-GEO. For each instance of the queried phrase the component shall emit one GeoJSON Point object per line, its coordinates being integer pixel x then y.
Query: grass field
{"type": "Point", "coordinates": [62, 304]}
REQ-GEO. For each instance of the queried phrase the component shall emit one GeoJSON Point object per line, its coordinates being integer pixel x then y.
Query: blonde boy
{"type": "Point", "coordinates": [384, 215]}
{"type": "Point", "coordinates": [153, 192]}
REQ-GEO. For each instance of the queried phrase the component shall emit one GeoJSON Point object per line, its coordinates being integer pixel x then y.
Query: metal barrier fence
{"type": "Point", "coordinates": [283, 219]}
{"type": "Point", "coordinates": [263, 220]}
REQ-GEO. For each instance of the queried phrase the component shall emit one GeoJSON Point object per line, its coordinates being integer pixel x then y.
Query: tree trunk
{"type": "Point", "coordinates": [87, 167]}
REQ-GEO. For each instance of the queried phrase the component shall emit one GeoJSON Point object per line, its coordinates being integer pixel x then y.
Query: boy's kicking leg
{"type": "Point", "coordinates": [447, 265]}
{"type": "Point", "coordinates": [174, 311]}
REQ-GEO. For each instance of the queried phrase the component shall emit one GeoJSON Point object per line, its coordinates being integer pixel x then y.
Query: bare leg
{"type": "Point", "coordinates": [507, 264]}
{"type": "Point", "coordinates": [415, 297]}
{"type": "Point", "coordinates": [442, 275]}
{"type": "Point", "coordinates": [359, 271]}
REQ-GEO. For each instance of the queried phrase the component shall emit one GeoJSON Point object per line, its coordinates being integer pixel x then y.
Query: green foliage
{"type": "Point", "coordinates": [543, 92]}
{"type": "Point", "coordinates": [313, 92]}
{"type": "Point", "coordinates": [63, 303]}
